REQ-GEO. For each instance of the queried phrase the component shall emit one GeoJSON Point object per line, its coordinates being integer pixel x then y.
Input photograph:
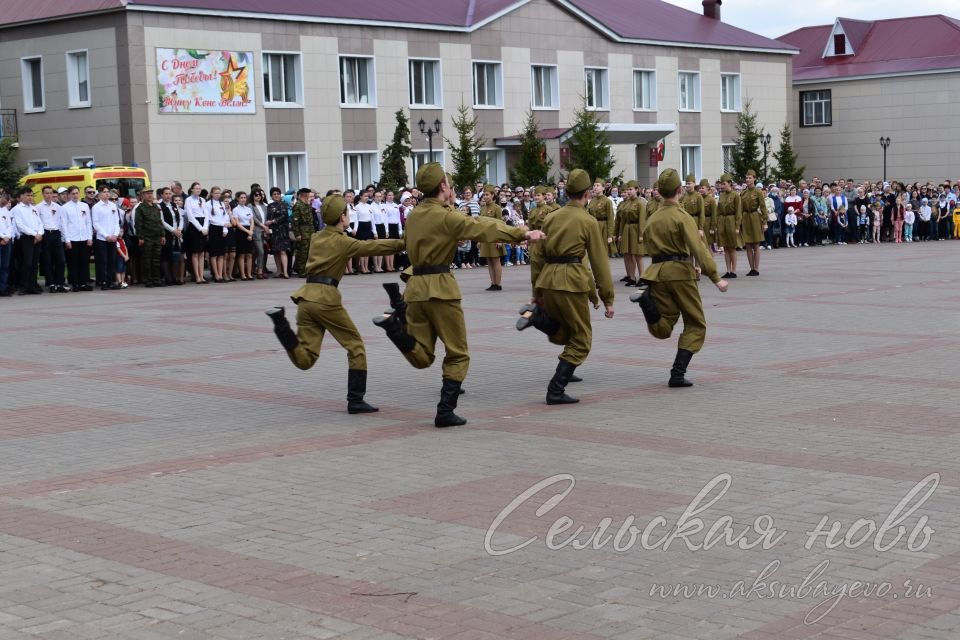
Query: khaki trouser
{"type": "Point", "coordinates": [675, 299]}
{"type": "Point", "coordinates": [313, 321]}
{"type": "Point", "coordinates": [443, 319]}
{"type": "Point", "coordinates": [572, 312]}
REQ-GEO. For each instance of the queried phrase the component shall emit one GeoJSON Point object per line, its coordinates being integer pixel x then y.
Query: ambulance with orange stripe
{"type": "Point", "coordinates": [128, 181]}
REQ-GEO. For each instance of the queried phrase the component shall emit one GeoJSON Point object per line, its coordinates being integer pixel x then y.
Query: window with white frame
{"type": "Point", "coordinates": [31, 71]}
{"type": "Point", "coordinates": [689, 91]}
{"type": "Point", "coordinates": [487, 84]}
{"type": "Point", "coordinates": [282, 79]}
{"type": "Point", "coordinates": [495, 165]}
{"type": "Point", "coordinates": [645, 90]}
{"type": "Point", "coordinates": [545, 90]}
{"type": "Point", "coordinates": [287, 171]}
{"type": "Point", "coordinates": [727, 154]}
{"type": "Point", "coordinates": [425, 89]}
{"type": "Point", "coordinates": [357, 86]}
{"type": "Point", "coordinates": [82, 161]}
{"type": "Point", "coordinates": [597, 88]}
{"type": "Point", "coordinates": [690, 160]}
{"type": "Point", "coordinates": [421, 158]}
{"type": "Point", "coordinates": [78, 79]}
{"type": "Point", "coordinates": [730, 92]}
{"type": "Point", "coordinates": [816, 108]}
{"type": "Point", "coordinates": [35, 165]}
{"type": "Point", "coordinates": [360, 169]}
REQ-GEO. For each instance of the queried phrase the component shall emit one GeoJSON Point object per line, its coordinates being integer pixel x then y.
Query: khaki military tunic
{"type": "Point", "coordinates": [601, 208]}
{"type": "Point", "coordinates": [490, 249]}
{"type": "Point", "coordinates": [754, 215]}
{"type": "Point", "coordinates": [566, 289]}
{"type": "Point", "coordinates": [433, 301]}
{"type": "Point", "coordinates": [320, 307]}
{"type": "Point", "coordinates": [693, 204]}
{"type": "Point", "coordinates": [730, 218]}
{"type": "Point", "coordinates": [536, 247]}
{"type": "Point", "coordinates": [673, 284]}
{"type": "Point", "coordinates": [631, 217]}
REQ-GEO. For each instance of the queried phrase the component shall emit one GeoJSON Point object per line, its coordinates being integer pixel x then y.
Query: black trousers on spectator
{"type": "Point", "coordinates": [79, 264]}
{"type": "Point", "coordinates": [105, 254]}
{"type": "Point", "coordinates": [29, 262]}
{"type": "Point", "coordinates": [54, 259]}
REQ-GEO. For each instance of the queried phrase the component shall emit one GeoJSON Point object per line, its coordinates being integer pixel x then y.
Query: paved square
{"type": "Point", "coordinates": [166, 473]}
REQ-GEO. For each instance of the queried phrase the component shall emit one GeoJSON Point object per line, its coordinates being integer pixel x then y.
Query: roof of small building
{"type": "Point", "coordinates": [897, 46]}
{"type": "Point", "coordinates": [656, 21]}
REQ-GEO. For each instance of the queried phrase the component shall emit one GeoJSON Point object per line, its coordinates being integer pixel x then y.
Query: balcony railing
{"type": "Point", "coordinates": [8, 123]}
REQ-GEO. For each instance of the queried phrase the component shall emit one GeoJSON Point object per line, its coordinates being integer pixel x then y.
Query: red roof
{"type": "Point", "coordinates": [661, 22]}
{"type": "Point", "coordinates": [19, 12]}
{"type": "Point", "coordinates": [447, 13]}
{"type": "Point", "coordinates": [881, 47]}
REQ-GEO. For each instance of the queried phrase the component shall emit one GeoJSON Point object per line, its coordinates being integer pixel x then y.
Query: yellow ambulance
{"type": "Point", "coordinates": [128, 181]}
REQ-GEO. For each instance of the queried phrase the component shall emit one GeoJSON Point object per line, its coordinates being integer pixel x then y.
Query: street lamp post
{"type": "Point", "coordinates": [885, 143]}
{"type": "Point", "coordinates": [766, 149]}
{"type": "Point", "coordinates": [430, 132]}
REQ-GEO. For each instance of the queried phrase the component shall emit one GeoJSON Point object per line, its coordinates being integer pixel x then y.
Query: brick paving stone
{"type": "Point", "coordinates": [188, 482]}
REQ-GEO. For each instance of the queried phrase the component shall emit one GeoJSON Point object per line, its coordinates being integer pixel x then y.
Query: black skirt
{"type": "Point", "coordinates": [243, 242]}
{"type": "Point", "coordinates": [394, 231]}
{"type": "Point", "coordinates": [216, 243]}
{"type": "Point", "coordinates": [194, 239]}
{"type": "Point", "coordinates": [231, 239]}
{"type": "Point", "coordinates": [382, 231]}
{"type": "Point", "coordinates": [364, 231]}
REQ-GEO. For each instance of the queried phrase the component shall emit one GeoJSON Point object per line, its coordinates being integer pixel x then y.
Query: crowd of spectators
{"type": "Point", "coordinates": [230, 234]}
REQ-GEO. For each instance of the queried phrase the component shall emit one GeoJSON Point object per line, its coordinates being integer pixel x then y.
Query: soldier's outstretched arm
{"type": "Point", "coordinates": [365, 248]}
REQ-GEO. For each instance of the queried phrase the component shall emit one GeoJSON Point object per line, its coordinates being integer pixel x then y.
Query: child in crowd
{"type": "Point", "coordinates": [791, 221]}
{"type": "Point", "coordinates": [461, 261]}
{"type": "Point", "coordinates": [926, 212]}
{"type": "Point", "coordinates": [840, 230]}
{"type": "Point", "coordinates": [863, 224]}
{"type": "Point", "coordinates": [877, 222]}
{"type": "Point", "coordinates": [908, 219]}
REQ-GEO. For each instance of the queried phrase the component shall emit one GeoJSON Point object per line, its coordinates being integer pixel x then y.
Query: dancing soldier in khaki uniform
{"type": "Point", "coordinates": [319, 306]}
{"type": "Point", "coordinates": [710, 217]}
{"type": "Point", "coordinates": [754, 221]}
{"type": "Point", "coordinates": [728, 224]}
{"type": "Point", "coordinates": [671, 239]}
{"type": "Point", "coordinates": [631, 218]}
{"type": "Point", "coordinates": [492, 251]}
{"type": "Point", "coordinates": [432, 296]}
{"type": "Point", "coordinates": [601, 208]}
{"type": "Point", "coordinates": [560, 305]}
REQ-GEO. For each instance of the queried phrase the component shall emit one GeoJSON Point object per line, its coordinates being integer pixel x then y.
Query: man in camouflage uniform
{"type": "Point", "coordinates": [149, 225]}
{"type": "Point", "coordinates": [302, 225]}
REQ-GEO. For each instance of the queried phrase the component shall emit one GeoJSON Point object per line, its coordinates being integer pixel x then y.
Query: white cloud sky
{"type": "Point", "coordinates": [773, 18]}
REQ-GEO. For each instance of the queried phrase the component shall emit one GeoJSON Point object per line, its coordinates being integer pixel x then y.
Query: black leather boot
{"type": "Point", "coordinates": [281, 327]}
{"type": "Point", "coordinates": [534, 316]}
{"type": "Point", "coordinates": [449, 395]}
{"type": "Point", "coordinates": [356, 389]}
{"type": "Point", "coordinates": [396, 332]}
{"type": "Point", "coordinates": [397, 303]}
{"type": "Point", "coordinates": [645, 299]}
{"type": "Point", "coordinates": [679, 369]}
{"type": "Point", "coordinates": [558, 385]}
